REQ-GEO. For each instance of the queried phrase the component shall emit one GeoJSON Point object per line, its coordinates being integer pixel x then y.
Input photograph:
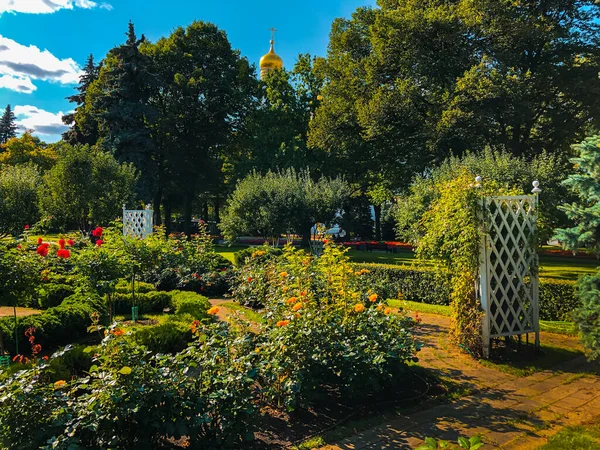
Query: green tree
{"type": "Point", "coordinates": [85, 132]}
{"type": "Point", "coordinates": [586, 233]}
{"type": "Point", "coordinates": [27, 149]}
{"type": "Point", "coordinates": [85, 187]}
{"type": "Point", "coordinates": [19, 186]}
{"type": "Point", "coordinates": [206, 89]}
{"type": "Point", "coordinates": [282, 202]}
{"type": "Point", "coordinates": [8, 125]}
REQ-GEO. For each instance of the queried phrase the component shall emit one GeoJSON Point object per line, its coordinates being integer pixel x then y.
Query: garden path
{"type": "Point", "coordinates": [508, 411]}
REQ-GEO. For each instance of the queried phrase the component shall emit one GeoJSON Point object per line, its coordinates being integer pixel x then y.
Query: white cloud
{"type": "Point", "coordinates": [46, 6]}
{"type": "Point", "coordinates": [19, 65]}
{"type": "Point", "coordinates": [40, 121]}
{"type": "Point", "coordinates": [18, 84]}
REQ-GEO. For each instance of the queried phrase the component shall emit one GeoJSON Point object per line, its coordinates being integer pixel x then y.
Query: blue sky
{"type": "Point", "coordinates": [44, 43]}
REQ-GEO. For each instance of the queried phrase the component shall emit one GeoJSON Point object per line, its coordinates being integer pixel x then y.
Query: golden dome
{"type": "Point", "coordinates": [270, 61]}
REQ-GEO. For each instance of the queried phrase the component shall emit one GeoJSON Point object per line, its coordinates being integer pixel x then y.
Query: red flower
{"type": "Point", "coordinates": [99, 243]}
{"type": "Point", "coordinates": [27, 227]}
{"type": "Point", "coordinates": [40, 241]}
{"type": "Point", "coordinates": [71, 242]}
{"type": "Point", "coordinates": [63, 253]}
{"type": "Point", "coordinates": [45, 358]}
{"type": "Point", "coordinates": [249, 279]}
{"type": "Point", "coordinates": [61, 243]}
{"type": "Point", "coordinates": [42, 250]}
{"type": "Point", "coordinates": [19, 246]}
{"type": "Point", "coordinates": [97, 232]}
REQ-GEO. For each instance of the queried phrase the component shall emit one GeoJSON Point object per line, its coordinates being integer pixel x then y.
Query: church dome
{"type": "Point", "coordinates": [270, 61]}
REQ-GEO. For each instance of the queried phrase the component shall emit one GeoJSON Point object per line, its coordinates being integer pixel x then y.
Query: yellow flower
{"type": "Point", "coordinates": [297, 306]}
{"type": "Point", "coordinates": [60, 384]}
{"type": "Point", "coordinates": [214, 310]}
{"type": "Point", "coordinates": [286, 288]}
{"type": "Point", "coordinates": [283, 274]}
{"type": "Point", "coordinates": [357, 273]}
{"type": "Point", "coordinates": [283, 323]}
{"type": "Point", "coordinates": [387, 311]}
{"type": "Point", "coordinates": [359, 307]}
{"type": "Point", "coordinates": [291, 300]}
{"type": "Point", "coordinates": [372, 298]}
{"type": "Point", "coordinates": [365, 271]}
{"type": "Point", "coordinates": [379, 307]}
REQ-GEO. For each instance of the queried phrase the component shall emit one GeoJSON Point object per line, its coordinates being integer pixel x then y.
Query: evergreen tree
{"type": "Point", "coordinates": [8, 125]}
{"type": "Point", "coordinates": [586, 233]}
{"type": "Point", "coordinates": [82, 132]}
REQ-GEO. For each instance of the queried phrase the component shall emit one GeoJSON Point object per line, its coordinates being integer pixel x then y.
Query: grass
{"type": "Point", "coordinates": [228, 251]}
{"type": "Point", "coordinates": [568, 328]}
{"type": "Point", "coordinates": [441, 310]}
{"type": "Point", "coordinates": [250, 314]}
{"type": "Point", "coordinates": [583, 437]}
{"type": "Point", "coordinates": [523, 364]}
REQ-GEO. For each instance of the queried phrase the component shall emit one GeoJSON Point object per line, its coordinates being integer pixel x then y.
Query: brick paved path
{"type": "Point", "coordinates": [509, 412]}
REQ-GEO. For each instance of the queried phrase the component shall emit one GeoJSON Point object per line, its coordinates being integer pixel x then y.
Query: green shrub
{"type": "Point", "coordinates": [417, 285]}
{"type": "Point", "coordinates": [190, 303]}
{"type": "Point", "coordinates": [149, 302]}
{"type": "Point", "coordinates": [51, 294]}
{"type": "Point", "coordinates": [558, 299]}
{"type": "Point", "coordinates": [124, 287]}
{"type": "Point", "coordinates": [71, 362]}
{"type": "Point", "coordinates": [56, 326]}
{"type": "Point", "coordinates": [171, 336]}
{"type": "Point", "coordinates": [240, 257]}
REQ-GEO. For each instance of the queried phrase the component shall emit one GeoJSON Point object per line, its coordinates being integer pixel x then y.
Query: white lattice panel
{"type": "Point", "coordinates": [137, 223]}
{"type": "Point", "coordinates": [509, 280]}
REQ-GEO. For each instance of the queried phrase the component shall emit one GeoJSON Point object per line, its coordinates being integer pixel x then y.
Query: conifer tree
{"type": "Point", "coordinates": [586, 233]}
{"type": "Point", "coordinates": [82, 132]}
{"type": "Point", "coordinates": [8, 125]}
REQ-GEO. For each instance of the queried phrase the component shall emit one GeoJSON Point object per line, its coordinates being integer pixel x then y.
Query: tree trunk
{"type": "Point", "coordinates": [187, 214]}
{"type": "Point", "coordinates": [217, 206]}
{"type": "Point", "coordinates": [377, 210]}
{"type": "Point", "coordinates": [167, 208]}
{"type": "Point", "coordinates": [306, 236]}
{"type": "Point", "coordinates": [156, 207]}
{"type": "Point", "coordinates": [205, 210]}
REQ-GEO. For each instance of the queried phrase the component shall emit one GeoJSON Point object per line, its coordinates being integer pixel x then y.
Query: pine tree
{"type": "Point", "coordinates": [8, 125]}
{"type": "Point", "coordinates": [586, 233]}
{"type": "Point", "coordinates": [82, 132]}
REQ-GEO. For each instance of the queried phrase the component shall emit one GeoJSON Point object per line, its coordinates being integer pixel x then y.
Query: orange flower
{"type": "Point", "coordinates": [372, 298]}
{"type": "Point", "coordinates": [283, 323]}
{"type": "Point", "coordinates": [359, 307]}
{"type": "Point", "coordinates": [387, 311]}
{"type": "Point", "coordinates": [118, 332]}
{"type": "Point", "coordinates": [286, 288]}
{"type": "Point", "coordinates": [194, 326]}
{"type": "Point", "coordinates": [297, 306]}
{"type": "Point", "coordinates": [297, 315]}
{"type": "Point", "coordinates": [214, 310]}
{"type": "Point", "coordinates": [303, 293]}
{"type": "Point", "coordinates": [283, 274]}
{"type": "Point", "coordinates": [60, 384]}
{"type": "Point", "coordinates": [291, 300]}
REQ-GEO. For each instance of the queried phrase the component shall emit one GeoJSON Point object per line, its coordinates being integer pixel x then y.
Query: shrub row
{"type": "Point", "coordinates": [240, 257]}
{"type": "Point", "coordinates": [147, 302]}
{"type": "Point", "coordinates": [558, 298]}
{"type": "Point", "coordinates": [55, 326]}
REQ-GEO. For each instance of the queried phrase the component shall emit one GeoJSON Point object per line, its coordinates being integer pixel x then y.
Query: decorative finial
{"type": "Point", "coordinates": [273, 31]}
{"type": "Point", "coordinates": [536, 187]}
{"type": "Point", "coordinates": [478, 181]}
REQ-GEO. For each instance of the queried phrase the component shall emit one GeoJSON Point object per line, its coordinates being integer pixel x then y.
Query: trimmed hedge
{"type": "Point", "coordinates": [124, 287]}
{"type": "Point", "coordinates": [190, 303]}
{"type": "Point", "coordinates": [148, 302]}
{"type": "Point", "coordinates": [55, 326]}
{"type": "Point", "coordinates": [558, 298]}
{"type": "Point", "coordinates": [171, 336]}
{"type": "Point", "coordinates": [52, 294]}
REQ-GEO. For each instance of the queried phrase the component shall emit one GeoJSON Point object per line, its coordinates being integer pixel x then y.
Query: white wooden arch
{"type": "Point", "coordinates": [137, 222]}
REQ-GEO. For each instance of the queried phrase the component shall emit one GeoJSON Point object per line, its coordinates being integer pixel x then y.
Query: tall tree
{"type": "Point", "coordinates": [8, 125]}
{"type": "Point", "coordinates": [84, 131]}
{"type": "Point", "coordinates": [204, 96]}
{"type": "Point", "coordinates": [119, 100]}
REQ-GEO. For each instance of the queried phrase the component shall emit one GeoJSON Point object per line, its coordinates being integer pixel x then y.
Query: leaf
{"type": "Point", "coordinates": [125, 370]}
{"type": "Point", "coordinates": [464, 443]}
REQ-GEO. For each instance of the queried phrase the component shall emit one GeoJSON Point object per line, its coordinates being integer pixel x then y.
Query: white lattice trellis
{"type": "Point", "coordinates": [137, 222]}
{"type": "Point", "coordinates": [508, 272]}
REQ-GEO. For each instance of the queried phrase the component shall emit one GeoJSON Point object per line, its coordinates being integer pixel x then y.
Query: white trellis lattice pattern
{"type": "Point", "coordinates": [508, 273]}
{"type": "Point", "coordinates": [137, 223]}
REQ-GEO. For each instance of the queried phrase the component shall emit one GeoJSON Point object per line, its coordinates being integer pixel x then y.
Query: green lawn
{"type": "Point", "coordinates": [228, 251]}
{"type": "Point", "coordinates": [584, 437]}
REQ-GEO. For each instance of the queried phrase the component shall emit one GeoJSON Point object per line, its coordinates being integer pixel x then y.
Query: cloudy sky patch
{"type": "Point", "coordinates": [46, 6]}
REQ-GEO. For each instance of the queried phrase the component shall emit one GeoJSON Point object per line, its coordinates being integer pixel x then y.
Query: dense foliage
{"type": "Point", "coordinates": [586, 215]}
{"type": "Point", "coordinates": [19, 187]}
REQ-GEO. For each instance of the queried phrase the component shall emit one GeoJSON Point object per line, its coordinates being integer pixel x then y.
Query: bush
{"type": "Point", "coordinates": [124, 287]}
{"type": "Point", "coordinates": [417, 285]}
{"type": "Point", "coordinates": [51, 294]}
{"type": "Point", "coordinates": [171, 336]}
{"type": "Point", "coordinates": [149, 302]}
{"type": "Point", "coordinates": [190, 303]}
{"type": "Point", "coordinates": [55, 326]}
{"type": "Point", "coordinates": [265, 252]}
{"type": "Point", "coordinates": [558, 299]}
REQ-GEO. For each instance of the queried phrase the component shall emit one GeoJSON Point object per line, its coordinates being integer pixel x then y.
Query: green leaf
{"type": "Point", "coordinates": [125, 370]}
{"type": "Point", "coordinates": [464, 443]}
